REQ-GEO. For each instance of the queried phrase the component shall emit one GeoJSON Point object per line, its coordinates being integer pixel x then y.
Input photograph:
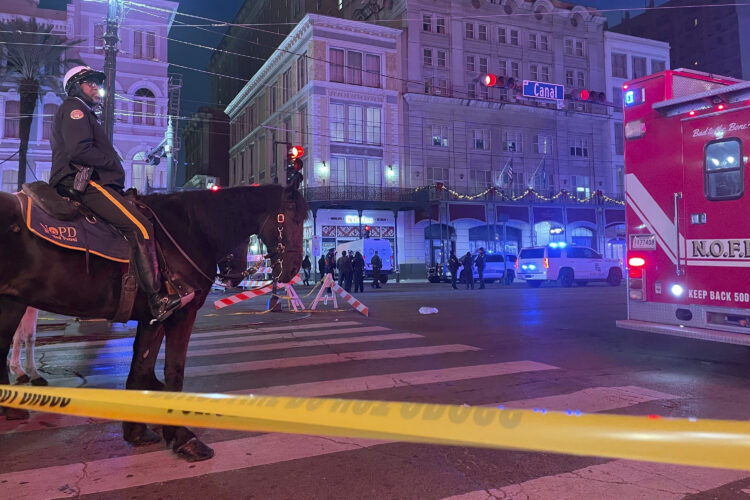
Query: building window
{"type": "Point", "coordinates": [515, 69]}
{"type": "Point", "coordinates": [580, 49]}
{"type": "Point", "coordinates": [442, 87]}
{"type": "Point", "coordinates": [337, 122]}
{"type": "Point", "coordinates": [569, 46]}
{"type": "Point", "coordinates": [639, 67]}
{"type": "Point", "coordinates": [355, 171]}
{"type": "Point", "coordinates": [372, 70]}
{"type": "Point", "coordinates": [502, 35]}
{"type": "Point", "coordinates": [619, 139]}
{"type": "Point", "coordinates": [426, 22]}
{"type": "Point", "coordinates": [543, 144]}
{"type": "Point", "coordinates": [484, 92]}
{"type": "Point", "coordinates": [373, 126]}
{"type": "Point", "coordinates": [427, 57]}
{"type": "Point", "coordinates": [151, 45]}
{"type": "Point", "coordinates": [354, 68]}
{"type": "Point", "coordinates": [581, 185]}
{"type": "Point", "coordinates": [544, 42]}
{"type": "Point", "coordinates": [428, 85]}
{"type": "Point", "coordinates": [440, 136]}
{"type": "Point", "coordinates": [301, 72]}
{"type": "Point", "coordinates": [482, 32]}
{"type": "Point", "coordinates": [469, 30]}
{"type": "Point", "coordinates": [435, 174]}
{"type": "Point", "coordinates": [441, 59]}
{"type": "Point", "coordinates": [533, 41]}
{"type": "Point", "coordinates": [483, 65]}
{"type": "Point", "coordinates": [617, 97]}
{"type": "Point", "coordinates": [579, 147]}
{"type": "Point", "coordinates": [658, 65]}
{"type": "Point", "coordinates": [374, 173]}
{"type": "Point", "coordinates": [502, 67]}
{"type": "Point", "coordinates": [272, 99]}
{"type": "Point", "coordinates": [144, 107]}
{"type": "Point", "coordinates": [569, 78]}
{"type": "Point", "coordinates": [471, 91]}
{"type": "Point", "coordinates": [534, 70]}
{"type": "Point", "coordinates": [286, 82]}
{"type": "Point", "coordinates": [12, 119]}
{"type": "Point", "coordinates": [99, 38]}
{"type": "Point", "coordinates": [481, 140]}
{"type": "Point", "coordinates": [356, 124]}
{"type": "Point", "coordinates": [619, 65]}
{"type": "Point", "coordinates": [251, 118]}
{"type": "Point", "coordinates": [303, 126]}
{"type": "Point", "coordinates": [544, 76]}
{"type": "Point", "coordinates": [514, 37]}
{"type": "Point", "coordinates": [512, 141]}
{"type": "Point", "coordinates": [581, 80]}
{"type": "Point", "coordinates": [49, 115]}
{"type": "Point", "coordinates": [480, 179]}
{"type": "Point", "coordinates": [337, 171]}
{"type": "Point", "coordinates": [138, 44]}
{"type": "Point", "coordinates": [10, 180]}
{"type": "Point", "coordinates": [470, 63]}
{"type": "Point", "coordinates": [337, 65]}
{"type": "Point", "coordinates": [440, 25]}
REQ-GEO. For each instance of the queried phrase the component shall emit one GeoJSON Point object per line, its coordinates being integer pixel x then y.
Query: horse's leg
{"type": "Point", "coordinates": [142, 376]}
{"type": "Point", "coordinates": [11, 313]}
{"type": "Point", "coordinates": [178, 328]}
{"type": "Point", "coordinates": [15, 357]}
{"type": "Point", "coordinates": [28, 326]}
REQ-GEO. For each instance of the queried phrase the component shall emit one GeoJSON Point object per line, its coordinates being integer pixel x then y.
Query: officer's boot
{"type": "Point", "coordinates": [162, 304]}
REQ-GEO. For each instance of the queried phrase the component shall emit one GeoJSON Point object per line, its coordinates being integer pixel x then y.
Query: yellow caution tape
{"type": "Point", "coordinates": [708, 443]}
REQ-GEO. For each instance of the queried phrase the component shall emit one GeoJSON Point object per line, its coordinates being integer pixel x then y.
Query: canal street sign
{"type": "Point", "coordinates": [542, 90]}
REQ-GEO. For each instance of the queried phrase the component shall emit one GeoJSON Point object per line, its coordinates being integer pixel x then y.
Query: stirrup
{"type": "Point", "coordinates": [163, 307]}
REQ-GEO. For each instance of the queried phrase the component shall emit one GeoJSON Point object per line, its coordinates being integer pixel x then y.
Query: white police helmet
{"type": "Point", "coordinates": [79, 74]}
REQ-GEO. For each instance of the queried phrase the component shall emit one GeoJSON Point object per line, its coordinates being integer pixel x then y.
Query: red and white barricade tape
{"type": "Point", "coordinates": [359, 306]}
{"type": "Point", "coordinates": [228, 301]}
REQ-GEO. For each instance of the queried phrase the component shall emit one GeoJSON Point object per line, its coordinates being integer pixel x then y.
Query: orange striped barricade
{"type": "Point", "coordinates": [327, 283]}
{"type": "Point", "coordinates": [228, 301]}
{"type": "Point", "coordinates": [292, 296]}
{"type": "Point", "coordinates": [349, 298]}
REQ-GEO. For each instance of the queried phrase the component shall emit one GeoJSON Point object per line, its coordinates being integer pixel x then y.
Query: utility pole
{"type": "Point", "coordinates": [110, 65]}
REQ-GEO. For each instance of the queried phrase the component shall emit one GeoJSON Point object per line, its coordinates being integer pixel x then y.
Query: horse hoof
{"type": "Point", "coordinates": [139, 434]}
{"type": "Point", "coordinates": [16, 414]}
{"type": "Point", "coordinates": [194, 451]}
{"type": "Point", "coordinates": [23, 379]}
{"type": "Point", "coordinates": [39, 381]}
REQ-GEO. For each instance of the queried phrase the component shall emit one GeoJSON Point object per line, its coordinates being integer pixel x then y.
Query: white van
{"type": "Point", "coordinates": [367, 247]}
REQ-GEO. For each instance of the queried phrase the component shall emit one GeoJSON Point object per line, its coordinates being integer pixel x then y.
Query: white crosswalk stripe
{"type": "Point", "coordinates": [441, 366]}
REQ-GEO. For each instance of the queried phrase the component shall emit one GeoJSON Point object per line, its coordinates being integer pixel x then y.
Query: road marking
{"type": "Point", "coordinates": [593, 400]}
{"type": "Point", "coordinates": [235, 339]}
{"type": "Point", "coordinates": [216, 333]}
{"type": "Point", "coordinates": [39, 421]}
{"type": "Point", "coordinates": [119, 473]}
{"type": "Point", "coordinates": [615, 479]}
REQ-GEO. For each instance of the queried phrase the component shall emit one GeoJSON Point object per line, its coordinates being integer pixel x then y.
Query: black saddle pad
{"type": "Point", "coordinates": [79, 233]}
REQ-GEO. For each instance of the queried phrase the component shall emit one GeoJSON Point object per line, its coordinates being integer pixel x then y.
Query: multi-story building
{"type": "Point", "coordinates": [205, 140]}
{"type": "Point", "coordinates": [326, 89]}
{"type": "Point", "coordinates": [490, 145]}
{"type": "Point", "coordinates": [707, 38]}
{"type": "Point", "coordinates": [142, 87]}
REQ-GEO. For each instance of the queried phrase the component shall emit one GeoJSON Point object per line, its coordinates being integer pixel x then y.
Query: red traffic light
{"type": "Point", "coordinates": [489, 80]}
{"type": "Point", "coordinates": [295, 152]}
{"type": "Point", "coordinates": [215, 187]}
{"type": "Point", "coordinates": [585, 94]}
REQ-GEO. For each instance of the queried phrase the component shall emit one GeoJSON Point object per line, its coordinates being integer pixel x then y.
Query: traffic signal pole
{"type": "Point", "coordinates": [110, 66]}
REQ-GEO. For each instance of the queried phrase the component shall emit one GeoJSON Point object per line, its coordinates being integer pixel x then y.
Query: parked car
{"type": "Point", "coordinates": [495, 268]}
{"type": "Point", "coordinates": [566, 264]}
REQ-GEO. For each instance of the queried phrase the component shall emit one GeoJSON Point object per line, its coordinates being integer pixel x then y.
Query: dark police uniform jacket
{"type": "Point", "coordinates": [77, 137]}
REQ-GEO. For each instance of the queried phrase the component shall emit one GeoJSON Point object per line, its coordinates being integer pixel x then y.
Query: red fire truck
{"type": "Point", "coordinates": [688, 205]}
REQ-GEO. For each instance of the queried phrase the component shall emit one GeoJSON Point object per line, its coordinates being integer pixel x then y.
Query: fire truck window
{"type": "Point", "coordinates": [723, 171]}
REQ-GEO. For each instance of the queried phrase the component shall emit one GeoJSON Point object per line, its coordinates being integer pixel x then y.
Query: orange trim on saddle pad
{"type": "Point", "coordinates": [64, 236]}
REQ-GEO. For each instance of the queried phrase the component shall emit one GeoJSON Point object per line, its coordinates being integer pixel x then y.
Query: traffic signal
{"type": "Point", "coordinates": [367, 231]}
{"type": "Point", "coordinates": [590, 96]}
{"type": "Point", "coordinates": [490, 80]}
{"type": "Point", "coordinates": [294, 164]}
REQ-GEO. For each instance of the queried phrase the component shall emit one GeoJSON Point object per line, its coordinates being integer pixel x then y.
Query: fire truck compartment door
{"type": "Point", "coordinates": [715, 221]}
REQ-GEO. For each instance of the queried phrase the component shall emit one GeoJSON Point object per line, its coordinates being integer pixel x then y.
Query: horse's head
{"type": "Point", "coordinates": [282, 234]}
{"type": "Point", "coordinates": [232, 268]}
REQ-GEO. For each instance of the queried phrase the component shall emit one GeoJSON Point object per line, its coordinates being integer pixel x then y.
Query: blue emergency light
{"type": "Point", "coordinates": [633, 97]}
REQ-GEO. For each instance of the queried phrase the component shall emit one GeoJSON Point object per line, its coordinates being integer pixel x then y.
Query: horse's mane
{"type": "Point", "coordinates": [216, 213]}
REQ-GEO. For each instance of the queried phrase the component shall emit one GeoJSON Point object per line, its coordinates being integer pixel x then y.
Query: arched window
{"type": "Point", "coordinates": [144, 107]}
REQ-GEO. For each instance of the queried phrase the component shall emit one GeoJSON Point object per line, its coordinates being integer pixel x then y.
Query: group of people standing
{"type": "Point", "coordinates": [350, 268]}
{"type": "Point", "coordinates": [468, 263]}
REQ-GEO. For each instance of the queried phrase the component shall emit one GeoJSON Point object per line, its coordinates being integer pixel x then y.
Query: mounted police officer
{"type": "Point", "coordinates": [84, 161]}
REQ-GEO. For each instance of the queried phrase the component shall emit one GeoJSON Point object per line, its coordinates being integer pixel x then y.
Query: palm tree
{"type": "Point", "coordinates": [34, 56]}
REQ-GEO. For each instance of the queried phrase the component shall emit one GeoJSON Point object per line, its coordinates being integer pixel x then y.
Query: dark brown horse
{"type": "Point", "coordinates": [207, 225]}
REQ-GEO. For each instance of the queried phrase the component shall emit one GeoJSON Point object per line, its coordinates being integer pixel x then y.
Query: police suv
{"type": "Point", "coordinates": [566, 264]}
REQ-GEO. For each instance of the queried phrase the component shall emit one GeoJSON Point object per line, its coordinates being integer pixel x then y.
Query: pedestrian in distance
{"type": "Point", "coordinates": [322, 266]}
{"type": "Point", "coordinates": [377, 265]}
{"type": "Point", "coordinates": [358, 270]}
{"type": "Point", "coordinates": [306, 267]}
{"type": "Point", "coordinates": [453, 265]}
{"type": "Point", "coordinates": [468, 263]}
{"type": "Point", "coordinates": [480, 262]}
{"type": "Point", "coordinates": [330, 267]}
{"type": "Point", "coordinates": [340, 265]}
{"type": "Point", "coordinates": [347, 271]}
{"type": "Point", "coordinates": [86, 166]}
